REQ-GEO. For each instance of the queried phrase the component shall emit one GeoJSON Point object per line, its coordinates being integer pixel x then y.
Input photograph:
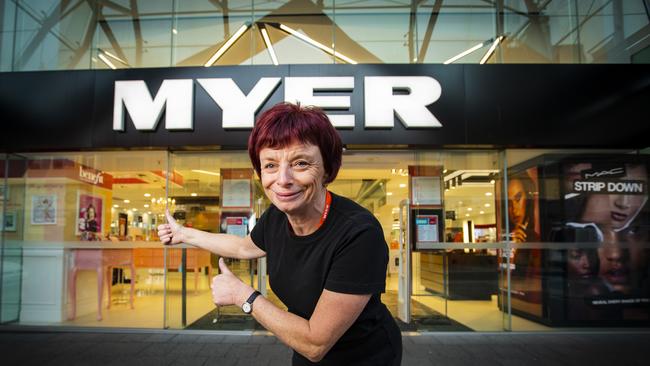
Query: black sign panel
{"type": "Point", "coordinates": [480, 106]}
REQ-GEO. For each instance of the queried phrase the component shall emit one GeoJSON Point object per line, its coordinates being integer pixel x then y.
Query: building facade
{"type": "Point", "coordinates": [502, 146]}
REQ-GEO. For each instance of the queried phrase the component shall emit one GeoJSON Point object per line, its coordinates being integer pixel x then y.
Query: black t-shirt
{"type": "Point", "coordinates": [347, 254]}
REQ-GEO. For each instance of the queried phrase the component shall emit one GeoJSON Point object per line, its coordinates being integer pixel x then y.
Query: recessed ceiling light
{"type": "Point", "coordinates": [487, 205]}
{"type": "Point", "coordinates": [193, 194]}
{"type": "Point", "coordinates": [389, 193]}
{"type": "Point", "coordinates": [116, 206]}
{"type": "Point", "coordinates": [402, 185]}
{"type": "Point", "coordinates": [466, 215]}
{"type": "Point", "coordinates": [135, 209]}
{"type": "Point", "coordinates": [145, 206]}
{"type": "Point", "coordinates": [488, 193]}
{"type": "Point", "coordinates": [127, 201]}
{"type": "Point", "coordinates": [482, 212]}
{"type": "Point", "coordinates": [147, 194]}
{"type": "Point", "coordinates": [469, 209]}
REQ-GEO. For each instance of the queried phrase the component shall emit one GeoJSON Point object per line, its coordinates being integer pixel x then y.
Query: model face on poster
{"type": "Point", "coordinates": [582, 263]}
{"type": "Point", "coordinates": [616, 211]}
{"type": "Point", "coordinates": [516, 202]}
{"type": "Point", "coordinates": [615, 267]}
{"type": "Point", "coordinates": [521, 209]}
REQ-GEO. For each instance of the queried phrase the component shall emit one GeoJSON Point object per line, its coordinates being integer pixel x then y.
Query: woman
{"type": "Point", "coordinates": [521, 205]}
{"type": "Point", "coordinates": [89, 225]}
{"type": "Point", "coordinates": [326, 255]}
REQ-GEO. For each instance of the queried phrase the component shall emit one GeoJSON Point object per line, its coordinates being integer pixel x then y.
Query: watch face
{"type": "Point", "coordinates": [246, 307]}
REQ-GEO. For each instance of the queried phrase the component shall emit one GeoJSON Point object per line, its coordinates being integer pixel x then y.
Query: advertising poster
{"type": "Point", "coordinates": [236, 193]}
{"type": "Point", "coordinates": [234, 223]}
{"type": "Point", "coordinates": [44, 209]}
{"type": "Point", "coordinates": [89, 217]}
{"type": "Point", "coordinates": [524, 227]}
{"type": "Point", "coordinates": [8, 221]}
{"type": "Point", "coordinates": [607, 217]}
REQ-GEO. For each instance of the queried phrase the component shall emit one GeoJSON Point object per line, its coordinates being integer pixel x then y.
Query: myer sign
{"type": "Point", "coordinates": [176, 97]}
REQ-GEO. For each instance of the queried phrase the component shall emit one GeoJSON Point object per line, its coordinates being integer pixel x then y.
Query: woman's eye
{"type": "Point", "coordinates": [302, 164]}
{"type": "Point", "coordinates": [269, 166]}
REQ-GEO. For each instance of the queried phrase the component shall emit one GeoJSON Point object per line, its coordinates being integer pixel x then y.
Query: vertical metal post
{"type": "Point", "coordinates": [508, 247]}
{"type": "Point", "coordinates": [500, 30]}
{"type": "Point", "coordinates": [184, 287]}
{"type": "Point", "coordinates": [404, 289]}
{"type": "Point", "coordinates": [165, 324]}
{"type": "Point", "coordinates": [2, 234]}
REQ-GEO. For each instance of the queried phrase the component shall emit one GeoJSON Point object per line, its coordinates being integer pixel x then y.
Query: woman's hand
{"type": "Point", "coordinates": [519, 234]}
{"type": "Point", "coordinates": [171, 232]}
{"type": "Point", "coordinates": [228, 289]}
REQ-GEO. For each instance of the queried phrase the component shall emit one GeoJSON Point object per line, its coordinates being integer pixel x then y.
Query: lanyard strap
{"type": "Point", "coordinates": [326, 210]}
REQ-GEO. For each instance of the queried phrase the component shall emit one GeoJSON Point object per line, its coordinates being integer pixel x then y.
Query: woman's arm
{"type": "Point", "coordinates": [225, 245]}
{"type": "Point", "coordinates": [334, 314]}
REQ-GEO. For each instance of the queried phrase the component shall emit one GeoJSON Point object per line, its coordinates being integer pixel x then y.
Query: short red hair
{"type": "Point", "coordinates": [285, 123]}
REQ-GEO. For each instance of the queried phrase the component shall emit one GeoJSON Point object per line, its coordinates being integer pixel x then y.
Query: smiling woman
{"type": "Point", "coordinates": [326, 255]}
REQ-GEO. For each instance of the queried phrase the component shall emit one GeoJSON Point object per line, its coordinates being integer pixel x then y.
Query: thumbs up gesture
{"type": "Point", "coordinates": [171, 232]}
{"type": "Point", "coordinates": [228, 289]}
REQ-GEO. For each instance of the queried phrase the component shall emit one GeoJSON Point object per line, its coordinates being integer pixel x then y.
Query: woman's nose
{"type": "Point", "coordinates": [285, 175]}
{"type": "Point", "coordinates": [622, 201]}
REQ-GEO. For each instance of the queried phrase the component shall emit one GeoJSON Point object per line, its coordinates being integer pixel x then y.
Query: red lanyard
{"type": "Point", "coordinates": [326, 210]}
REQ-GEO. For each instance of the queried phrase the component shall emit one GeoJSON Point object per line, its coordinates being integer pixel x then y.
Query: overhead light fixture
{"type": "Point", "coordinates": [206, 172]}
{"type": "Point", "coordinates": [488, 193]}
{"type": "Point", "coordinates": [147, 194]}
{"type": "Point", "coordinates": [174, 30]}
{"type": "Point", "coordinates": [106, 61]}
{"type": "Point", "coordinates": [487, 205]}
{"type": "Point", "coordinates": [146, 206]}
{"type": "Point", "coordinates": [267, 42]}
{"type": "Point", "coordinates": [467, 52]}
{"type": "Point", "coordinates": [389, 193]}
{"type": "Point", "coordinates": [105, 56]}
{"type": "Point", "coordinates": [314, 43]}
{"type": "Point", "coordinates": [490, 51]}
{"type": "Point", "coordinates": [481, 212]}
{"type": "Point", "coordinates": [227, 45]}
{"type": "Point", "coordinates": [402, 185]}
{"type": "Point", "coordinates": [193, 194]}
{"type": "Point", "coordinates": [127, 201]}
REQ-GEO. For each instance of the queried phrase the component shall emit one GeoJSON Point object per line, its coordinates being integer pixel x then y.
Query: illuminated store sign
{"type": "Point", "coordinates": [381, 102]}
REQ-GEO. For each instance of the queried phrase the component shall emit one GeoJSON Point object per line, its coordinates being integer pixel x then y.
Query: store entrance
{"type": "Point", "coordinates": [380, 181]}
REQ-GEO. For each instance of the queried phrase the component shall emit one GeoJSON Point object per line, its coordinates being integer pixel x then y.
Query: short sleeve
{"type": "Point", "coordinates": [359, 265]}
{"type": "Point", "coordinates": [257, 234]}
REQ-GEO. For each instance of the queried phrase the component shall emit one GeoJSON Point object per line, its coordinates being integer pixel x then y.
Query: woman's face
{"type": "Point", "coordinates": [516, 202]}
{"type": "Point", "coordinates": [615, 266]}
{"type": "Point", "coordinates": [91, 213]}
{"type": "Point", "coordinates": [581, 263]}
{"type": "Point", "coordinates": [293, 177]}
{"type": "Point", "coordinates": [615, 211]}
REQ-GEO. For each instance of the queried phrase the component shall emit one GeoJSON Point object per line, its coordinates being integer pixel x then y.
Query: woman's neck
{"type": "Point", "coordinates": [308, 221]}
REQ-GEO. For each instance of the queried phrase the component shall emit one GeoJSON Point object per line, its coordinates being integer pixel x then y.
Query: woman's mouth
{"type": "Point", "coordinates": [618, 216]}
{"type": "Point", "coordinates": [287, 196]}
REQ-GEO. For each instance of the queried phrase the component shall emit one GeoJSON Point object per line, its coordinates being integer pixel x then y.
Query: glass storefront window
{"type": "Point", "coordinates": [522, 240]}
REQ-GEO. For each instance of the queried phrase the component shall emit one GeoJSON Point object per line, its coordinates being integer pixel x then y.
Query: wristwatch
{"type": "Point", "coordinates": [247, 307]}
